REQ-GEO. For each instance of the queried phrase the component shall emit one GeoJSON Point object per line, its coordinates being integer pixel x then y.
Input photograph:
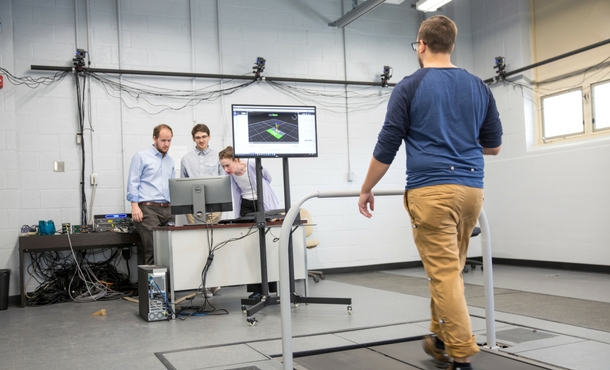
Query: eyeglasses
{"type": "Point", "coordinates": [415, 44]}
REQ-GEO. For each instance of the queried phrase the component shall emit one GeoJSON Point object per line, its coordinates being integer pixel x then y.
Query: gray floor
{"type": "Point", "coordinates": [68, 336]}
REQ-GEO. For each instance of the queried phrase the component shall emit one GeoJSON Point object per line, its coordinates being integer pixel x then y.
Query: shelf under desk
{"type": "Point", "coordinates": [59, 242]}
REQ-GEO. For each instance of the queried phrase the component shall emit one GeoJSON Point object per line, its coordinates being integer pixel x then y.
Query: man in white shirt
{"type": "Point", "coordinates": [201, 162]}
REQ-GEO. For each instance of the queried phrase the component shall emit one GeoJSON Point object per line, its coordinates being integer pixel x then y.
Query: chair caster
{"type": "Point", "coordinates": [349, 310]}
{"type": "Point", "coordinates": [243, 309]}
{"type": "Point", "coordinates": [316, 279]}
{"type": "Point", "coordinates": [252, 321]}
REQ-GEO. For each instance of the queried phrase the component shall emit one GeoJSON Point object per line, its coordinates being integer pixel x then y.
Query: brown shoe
{"type": "Point", "coordinates": [439, 355]}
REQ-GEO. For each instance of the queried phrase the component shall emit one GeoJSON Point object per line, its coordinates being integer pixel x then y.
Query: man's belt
{"type": "Point", "coordinates": [154, 204]}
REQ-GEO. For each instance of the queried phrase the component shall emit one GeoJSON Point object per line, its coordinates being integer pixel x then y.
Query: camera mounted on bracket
{"type": "Point", "coordinates": [500, 67]}
{"type": "Point", "coordinates": [79, 59]}
{"type": "Point", "coordinates": [259, 67]}
{"type": "Point", "coordinates": [386, 75]}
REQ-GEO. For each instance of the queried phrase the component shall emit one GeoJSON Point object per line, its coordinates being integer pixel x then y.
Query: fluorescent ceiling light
{"type": "Point", "coordinates": [430, 5]}
{"type": "Point", "coordinates": [394, 1]}
{"type": "Point", "coordinates": [356, 13]}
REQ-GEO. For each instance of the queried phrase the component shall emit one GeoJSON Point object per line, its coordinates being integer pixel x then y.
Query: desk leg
{"type": "Point", "coordinates": [21, 277]}
{"type": "Point", "coordinates": [306, 284]}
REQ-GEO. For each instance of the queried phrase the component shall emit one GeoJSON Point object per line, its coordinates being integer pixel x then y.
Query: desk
{"type": "Point", "coordinates": [184, 251]}
{"type": "Point", "coordinates": [40, 243]}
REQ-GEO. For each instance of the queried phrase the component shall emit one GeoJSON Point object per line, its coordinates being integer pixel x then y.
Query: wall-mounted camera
{"type": "Point", "coordinates": [259, 66]}
{"type": "Point", "coordinates": [500, 66]}
{"type": "Point", "coordinates": [79, 59]}
{"type": "Point", "coordinates": [386, 75]}
{"type": "Point", "coordinates": [81, 53]}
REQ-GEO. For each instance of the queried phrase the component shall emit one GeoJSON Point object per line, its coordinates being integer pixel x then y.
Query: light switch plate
{"type": "Point", "coordinates": [58, 166]}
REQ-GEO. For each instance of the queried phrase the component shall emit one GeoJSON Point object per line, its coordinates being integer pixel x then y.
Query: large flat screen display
{"type": "Point", "coordinates": [274, 131]}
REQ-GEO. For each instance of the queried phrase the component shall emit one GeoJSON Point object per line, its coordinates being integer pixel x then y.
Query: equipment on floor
{"type": "Point", "coordinates": [152, 293]}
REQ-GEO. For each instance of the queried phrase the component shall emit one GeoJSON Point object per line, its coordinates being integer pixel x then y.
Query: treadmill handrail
{"type": "Point", "coordinates": [284, 267]}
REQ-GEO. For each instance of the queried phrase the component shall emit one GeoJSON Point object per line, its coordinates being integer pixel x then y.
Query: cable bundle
{"type": "Point", "coordinates": [207, 308]}
{"type": "Point", "coordinates": [75, 278]}
{"type": "Point", "coordinates": [142, 94]}
{"type": "Point", "coordinates": [30, 82]}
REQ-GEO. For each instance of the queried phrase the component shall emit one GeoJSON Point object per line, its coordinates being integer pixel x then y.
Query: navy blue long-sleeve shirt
{"type": "Point", "coordinates": [445, 116]}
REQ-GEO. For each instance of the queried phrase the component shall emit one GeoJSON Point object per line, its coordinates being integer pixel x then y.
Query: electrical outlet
{"type": "Point", "coordinates": [94, 179]}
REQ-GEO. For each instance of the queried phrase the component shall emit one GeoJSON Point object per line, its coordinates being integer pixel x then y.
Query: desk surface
{"type": "Point", "coordinates": [217, 226]}
{"type": "Point", "coordinates": [80, 241]}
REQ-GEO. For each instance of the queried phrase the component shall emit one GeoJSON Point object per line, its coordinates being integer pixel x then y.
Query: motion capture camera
{"type": "Point", "coordinates": [500, 66]}
{"type": "Point", "coordinates": [81, 54]}
{"type": "Point", "coordinates": [260, 63]}
{"type": "Point", "coordinates": [259, 66]}
{"type": "Point", "coordinates": [79, 59]}
{"type": "Point", "coordinates": [386, 75]}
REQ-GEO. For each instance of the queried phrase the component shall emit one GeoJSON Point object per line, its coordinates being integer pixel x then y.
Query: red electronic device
{"type": "Point", "coordinates": [1, 81]}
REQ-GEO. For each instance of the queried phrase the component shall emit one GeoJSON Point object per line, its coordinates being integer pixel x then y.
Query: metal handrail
{"type": "Point", "coordinates": [284, 268]}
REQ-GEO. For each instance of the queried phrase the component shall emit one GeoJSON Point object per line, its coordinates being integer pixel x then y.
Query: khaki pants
{"type": "Point", "coordinates": [210, 218]}
{"type": "Point", "coordinates": [443, 217]}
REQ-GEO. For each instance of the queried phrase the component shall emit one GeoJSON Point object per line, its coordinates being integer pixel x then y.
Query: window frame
{"type": "Point", "coordinates": [593, 128]}
{"type": "Point", "coordinates": [546, 139]}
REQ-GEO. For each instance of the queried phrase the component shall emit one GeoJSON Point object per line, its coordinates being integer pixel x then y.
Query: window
{"type": "Point", "coordinates": [600, 93]}
{"type": "Point", "coordinates": [571, 93]}
{"type": "Point", "coordinates": [562, 114]}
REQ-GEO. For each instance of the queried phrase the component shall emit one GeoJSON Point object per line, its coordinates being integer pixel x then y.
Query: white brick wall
{"type": "Point", "coordinates": [543, 203]}
{"type": "Point", "coordinates": [38, 127]}
{"type": "Point", "coordinates": [157, 35]}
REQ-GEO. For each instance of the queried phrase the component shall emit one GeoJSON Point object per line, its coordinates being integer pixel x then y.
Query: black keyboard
{"type": "Point", "coordinates": [240, 220]}
{"type": "Point", "coordinates": [251, 218]}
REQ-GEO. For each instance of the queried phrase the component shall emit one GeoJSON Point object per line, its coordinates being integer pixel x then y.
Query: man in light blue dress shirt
{"type": "Point", "coordinates": [148, 189]}
{"type": "Point", "coordinates": [201, 162]}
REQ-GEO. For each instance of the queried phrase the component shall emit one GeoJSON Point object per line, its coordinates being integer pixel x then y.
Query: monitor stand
{"type": "Point", "coordinates": [199, 204]}
{"type": "Point", "coordinates": [265, 299]}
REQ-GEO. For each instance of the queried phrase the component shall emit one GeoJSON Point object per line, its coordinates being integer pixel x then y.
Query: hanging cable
{"type": "Point", "coordinates": [31, 82]}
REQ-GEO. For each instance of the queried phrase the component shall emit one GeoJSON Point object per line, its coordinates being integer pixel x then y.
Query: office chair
{"type": "Point", "coordinates": [473, 263]}
{"type": "Point", "coordinates": [310, 243]}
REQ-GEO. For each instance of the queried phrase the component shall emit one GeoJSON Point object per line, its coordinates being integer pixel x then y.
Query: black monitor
{"type": "Point", "coordinates": [279, 131]}
{"type": "Point", "coordinates": [199, 195]}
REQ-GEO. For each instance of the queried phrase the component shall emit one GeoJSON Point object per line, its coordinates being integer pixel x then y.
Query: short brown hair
{"type": "Point", "coordinates": [438, 33]}
{"type": "Point", "coordinates": [200, 127]}
{"type": "Point", "coordinates": [158, 128]}
{"type": "Point", "coordinates": [226, 153]}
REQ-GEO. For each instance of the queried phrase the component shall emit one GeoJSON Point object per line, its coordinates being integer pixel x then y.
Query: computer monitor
{"type": "Point", "coordinates": [279, 131]}
{"type": "Point", "coordinates": [199, 195]}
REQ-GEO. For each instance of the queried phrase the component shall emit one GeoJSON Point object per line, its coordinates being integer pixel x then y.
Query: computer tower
{"type": "Point", "coordinates": [152, 283]}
